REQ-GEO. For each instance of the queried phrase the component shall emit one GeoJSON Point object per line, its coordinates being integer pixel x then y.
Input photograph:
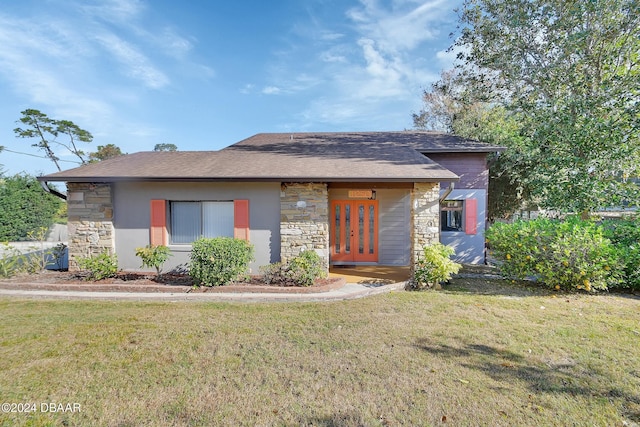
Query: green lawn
{"type": "Point", "coordinates": [493, 355]}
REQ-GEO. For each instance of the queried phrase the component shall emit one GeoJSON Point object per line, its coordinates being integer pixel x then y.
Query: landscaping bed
{"type": "Point", "coordinates": [145, 282]}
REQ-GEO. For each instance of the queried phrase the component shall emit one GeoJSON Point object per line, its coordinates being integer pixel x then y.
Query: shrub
{"type": "Point", "coordinates": [434, 266]}
{"type": "Point", "coordinates": [563, 254]}
{"type": "Point", "coordinates": [11, 260]}
{"type": "Point", "coordinates": [220, 260]}
{"type": "Point", "coordinates": [99, 266]}
{"type": "Point", "coordinates": [275, 272]}
{"type": "Point", "coordinates": [24, 207]}
{"type": "Point", "coordinates": [306, 268]}
{"type": "Point", "coordinates": [154, 256]}
{"type": "Point", "coordinates": [625, 235]}
{"type": "Point", "coordinates": [302, 270]}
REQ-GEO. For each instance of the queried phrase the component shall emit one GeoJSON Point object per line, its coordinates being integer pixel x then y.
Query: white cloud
{"type": "Point", "coordinates": [271, 90]}
{"type": "Point", "coordinates": [135, 63]}
{"type": "Point", "coordinates": [370, 67]}
{"type": "Point", "coordinates": [115, 11]}
{"type": "Point", "coordinates": [29, 54]}
{"type": "Point", "coordinates": [402, 27]}
{"type": "Point", "coordinates": [174, 44]}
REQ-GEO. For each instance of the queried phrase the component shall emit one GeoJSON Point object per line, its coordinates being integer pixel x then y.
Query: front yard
{"type": "Point", "coordinates": [489, 354]}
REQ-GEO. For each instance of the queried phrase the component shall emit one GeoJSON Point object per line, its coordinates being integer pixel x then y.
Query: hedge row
{"type": "Point", "coordinates": [569, 254]}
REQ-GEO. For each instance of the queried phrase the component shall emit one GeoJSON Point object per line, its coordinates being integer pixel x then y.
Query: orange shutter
{"type": "Point", "coordinates": [241, 219]}
{"type": "Point", "coordinates": [471, 216]}
{"type": "Point", "coordinates": [158, 234]}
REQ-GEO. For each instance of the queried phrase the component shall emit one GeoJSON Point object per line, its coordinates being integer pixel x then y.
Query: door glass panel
{"type": "Point", "coordinates": [372, 218]}
{"type": "Point", "coordinates": [337, 229]}
{"type": "Point", "coordinates": [360, 229]}
{"type": "Point", "coordinates": [347, 227]}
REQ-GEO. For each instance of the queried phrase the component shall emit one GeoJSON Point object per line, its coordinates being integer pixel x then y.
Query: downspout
{"type": "Point", "coordinates": [447, 192]}
{"type": "Point", "coordinates": [45, 187]}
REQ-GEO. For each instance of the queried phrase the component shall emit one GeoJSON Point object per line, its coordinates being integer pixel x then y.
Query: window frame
{"type": "Point", "coordinates": [448, 206]}
{"type": "Point", "coordinates": [202, 219]}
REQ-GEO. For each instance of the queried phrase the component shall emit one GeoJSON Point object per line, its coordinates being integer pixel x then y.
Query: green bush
{"type": "Point", "coordinates": [25, 207]}
{"type": "Point", "coordinates": [434, 266]}
{"type": "Point", "coordinates": [219, 261]}
{"type": "Point", "coordinates": [154, 256]}
{"type": "Point", "coordinates": [306, 268]}
{"type": "Point", "coordinates": [100, 266]}
{"type": "Point", "coordinates": [563, 254]}
{"type": "Point", "coordinates": [625, 235]}
{"type": "Point", "coordinates": [302, 270]}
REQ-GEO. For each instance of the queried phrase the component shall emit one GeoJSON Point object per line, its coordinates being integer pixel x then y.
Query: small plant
{"type": "Point", "coordinates": [99, 266]}
{"type": "Point", "coordinates": [273, 273]}
{"type": "Point", "coordinates": [154, 256]}
{"type": "Point", "coordinates": [306, 268]}
{"type": "Point", "coordinates": [38, 259]}
{"type": "Point", "coordinates": [302, 270]}
{"type": "Point", "coordinates": [219, 260]}
{"type": "Point", "coordinates": [11, 260]}
{"type": "Point", "coordinates": [434, 266]}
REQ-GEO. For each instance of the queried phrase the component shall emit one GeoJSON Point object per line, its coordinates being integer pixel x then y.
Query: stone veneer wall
{"type": "Point", "coordinates": [90, 213]}
{"type": "Point", "coordinates": [304, 220]}
{"type": "Point", "coordinates": [425, 214]}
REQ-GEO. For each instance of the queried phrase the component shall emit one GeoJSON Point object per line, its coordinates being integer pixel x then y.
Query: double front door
{"type": "Point", "coordinates": [354, 230]}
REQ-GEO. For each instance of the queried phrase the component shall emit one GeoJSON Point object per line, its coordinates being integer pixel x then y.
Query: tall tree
{"type": "Point", "coordinates": [570, 71]}
{"type": "Point", "coordinates": [47, 130]}
{"type": "Point", "coordinates": [105, 152]}
{"type": "Point", "coordinates": [451, 106]}
{"type": "Point", "coordinates": [165, 147]}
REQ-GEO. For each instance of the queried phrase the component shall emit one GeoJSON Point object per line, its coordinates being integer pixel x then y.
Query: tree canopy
{"type": "Point", "coordinates": [165, 147]}
{"type": "Point", "coordinates": [564, 76]}
{"type": "Point", "coordinates": [46, 131]}
{"type": "Point", "coordinates": [25, 207]}
{"type": "Point", "coordinates": [105, 152]}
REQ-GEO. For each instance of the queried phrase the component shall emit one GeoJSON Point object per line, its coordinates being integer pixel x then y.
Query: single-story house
{"type": "Point", "coordinates": [355, 198]}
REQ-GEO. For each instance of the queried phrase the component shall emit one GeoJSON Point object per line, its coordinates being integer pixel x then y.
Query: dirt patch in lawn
{"type": "Point", "coordinates": [143, 282]}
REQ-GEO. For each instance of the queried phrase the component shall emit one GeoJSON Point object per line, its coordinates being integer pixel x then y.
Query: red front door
{"type": "Point", "coordinates": [354, 230]}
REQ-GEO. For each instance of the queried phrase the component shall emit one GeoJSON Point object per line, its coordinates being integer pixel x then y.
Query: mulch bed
{"type": "Point", "coordinates": [144, 282]}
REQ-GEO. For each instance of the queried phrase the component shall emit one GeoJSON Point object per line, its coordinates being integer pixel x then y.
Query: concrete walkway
{"type": "Point", "coordinates": [347, 292]}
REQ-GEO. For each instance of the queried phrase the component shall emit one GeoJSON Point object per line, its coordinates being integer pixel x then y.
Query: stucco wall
{"type": "Point", "coordinates": [304, 220]}
{"type": "Point", "coordinates": [469, 247]}
{"type": "Point", "coordinates": [132, 217]}
{"type": "Point", "coordinates": [90, 226]}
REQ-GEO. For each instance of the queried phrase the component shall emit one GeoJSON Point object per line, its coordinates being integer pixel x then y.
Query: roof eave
{"type": "Point", "coordinates": [246, 179]}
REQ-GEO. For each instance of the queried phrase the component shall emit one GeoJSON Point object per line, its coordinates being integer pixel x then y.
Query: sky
{"type": "Point", "coordinates": [205, 74]}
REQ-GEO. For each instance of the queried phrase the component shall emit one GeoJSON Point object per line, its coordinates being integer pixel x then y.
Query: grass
{"type": "Point", "coordinates": [467, 355]}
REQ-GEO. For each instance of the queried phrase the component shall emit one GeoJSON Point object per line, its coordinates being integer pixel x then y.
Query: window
{"type": "Point", "coordinates": [192, 220]}
{"type": "Point", "coordinates": [451, 215]}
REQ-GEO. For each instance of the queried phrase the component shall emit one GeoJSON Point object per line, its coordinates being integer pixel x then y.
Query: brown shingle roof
{"type": "Point", "coordinates": [353, 156]}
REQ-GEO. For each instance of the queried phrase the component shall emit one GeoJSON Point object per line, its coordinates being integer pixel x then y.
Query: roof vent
{"type": "Point", "coordinates": [291, 137]}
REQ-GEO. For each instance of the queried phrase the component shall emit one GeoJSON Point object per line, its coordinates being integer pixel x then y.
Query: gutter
{"type": "Point", "coordinates": [45, 187]}
{"type": "Point", "coordinates": [447, 192]}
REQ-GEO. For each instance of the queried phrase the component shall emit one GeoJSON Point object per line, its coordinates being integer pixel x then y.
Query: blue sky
{"type": "Point", "coordinates": [203, 75]}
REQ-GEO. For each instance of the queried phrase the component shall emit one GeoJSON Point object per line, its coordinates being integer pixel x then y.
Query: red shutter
{"type": "Point", "coordinates": [158, 233]}
{"type": "Point", "coordinates": [241, 219]}
{"type": "Point", "coordinates": [471, 216]}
